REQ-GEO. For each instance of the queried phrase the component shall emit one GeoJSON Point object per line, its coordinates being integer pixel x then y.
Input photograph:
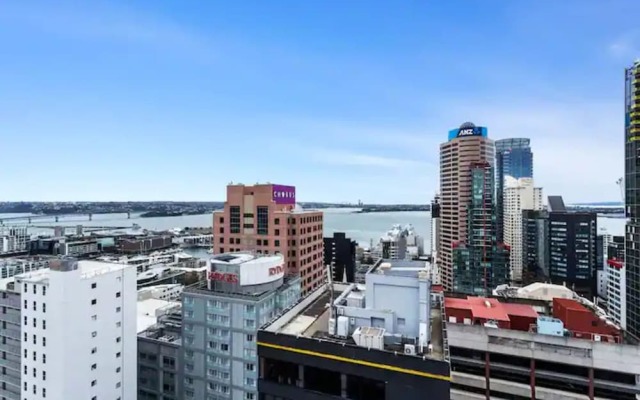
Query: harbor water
{"type": "Point", "coordinates": [361, 227]}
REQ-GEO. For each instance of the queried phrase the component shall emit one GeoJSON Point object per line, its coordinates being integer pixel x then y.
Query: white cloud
{"type": "Point", "coordinates": [106, 21]}
{"type": "Point", "coordinates": [626, 46]}
{"type": "Point", "coordinates": [339, 157]}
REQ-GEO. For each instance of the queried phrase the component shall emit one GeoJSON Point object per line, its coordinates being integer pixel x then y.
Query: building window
{"type": "Point", "coordinates": [249, 338]}
{"type": "Point", "coordinates": [276, 243]}
{"type": "Point", "coordinates": [117, 294]}
{"type": "Point", "coordinates": [94, 382]}
{"type": "Point", "coordinates": [276, 221]}
{"type": "Point", "coordinates": [277, 232]}
{"type": "Point", "coordinates": [221, 240]}
{"type": "Point", "coordinates": [234, 219]}
{"type": "Point", "coordinates": [118, 309]}
{"type": "Point", "coordinates": [263, 220]}
{"type": "Point", "coordinates": [94, 366]}
{"type": "Point", "coordinates": [94, 302]}
{"type": "Point", "coordinates": [94, 285]}
{"type": "Point", "coordinates": [250, 367]}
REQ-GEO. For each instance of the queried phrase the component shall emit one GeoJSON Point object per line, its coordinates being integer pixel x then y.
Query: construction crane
{"type": "Point", "coordinates": [620, 183]}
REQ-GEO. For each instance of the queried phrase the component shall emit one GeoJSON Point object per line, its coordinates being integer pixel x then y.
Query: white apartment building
{"type": "Point", "coordinates": [617, 292]}
{"type": "Point", "coordinates": [78, 331]}
{"type": "Point", "coordinates": [519, 195]}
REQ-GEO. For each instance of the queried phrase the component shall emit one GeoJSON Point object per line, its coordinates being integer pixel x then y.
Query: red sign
{"type": "Point", "coordinates": [222, 277]}
{"type": "Point", "coordinates": [276, 270]}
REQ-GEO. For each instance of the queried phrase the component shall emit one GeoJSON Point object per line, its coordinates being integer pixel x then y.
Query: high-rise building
{"type": "Point", "coordinates": [466, 146]}
{"type": "Point", "coordinates": [572, 248]}
{"type": "Point", "coordinates": [221, 320]}
{"type": "Point", "coordinates": [340, 254]}
{"type": "Point", "coordinates": [632, 196]}
{"type": "Point", "coordinates": [513, 158]}
{"type": "Point", "coordinates": [480, 263]}
{"type": "Point", "coordinates": [518, 195]}
{"type": "Point", "coordinates": [266, 219]}
{"type": "Point", "coordinates": [535, 249]}
{"type": "Point", "coordinates": [73, 331]}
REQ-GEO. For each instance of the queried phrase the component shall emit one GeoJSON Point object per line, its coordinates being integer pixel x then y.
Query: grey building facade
{"type": "Point", "coordinates": [159, 364]}
{"type": "Point", "coordinates": [572, 251]}
{"type": "Point", "coordinates": [535, 252]}
{"type": "Point", "coordinates": [10, 344]}
{"type": "Point", "coordinates": [221, 320]}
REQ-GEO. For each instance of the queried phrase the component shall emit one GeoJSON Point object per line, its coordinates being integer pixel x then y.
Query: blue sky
{"type": "Point", "coordinates": [347, 100]}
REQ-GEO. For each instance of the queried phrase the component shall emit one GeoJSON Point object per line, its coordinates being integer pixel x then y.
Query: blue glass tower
{"type": "Point", "coordinates": [513, 158]}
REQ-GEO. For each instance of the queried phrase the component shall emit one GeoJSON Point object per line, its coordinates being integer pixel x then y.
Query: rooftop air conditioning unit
{"type": "Point", "coordinates": [410, 349]}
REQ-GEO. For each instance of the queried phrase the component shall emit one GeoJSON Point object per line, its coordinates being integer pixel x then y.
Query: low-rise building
{"type": "Point", "coordinates": [17, 265]}
{"type": "Point", "coordinates": [519, 348]}
{"type": "Point", "coordinates": [159, 363]}
{"type": "Point", "coordinates": [143, 244]}
{"type": "Point", "coordinates": [14, 240]}
{"type": "Point", "coordinates": [381, 340]}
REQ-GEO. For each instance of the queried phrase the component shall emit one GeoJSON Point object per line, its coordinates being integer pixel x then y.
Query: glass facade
{"type": "Point", "coordinates": [481, 263]}
{"type": "Point", "coordinates": [632, 196]}
{"type": "Point", "coordinates": [572, 251]}
{"type": "Point", "coordinates": [535, 257]}
{"type": "Point", "coordinates": [513, 158]}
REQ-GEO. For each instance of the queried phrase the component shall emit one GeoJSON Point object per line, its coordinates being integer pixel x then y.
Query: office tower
{"type": "Point", "coordinates": [632, 196]}
{"type": "Point", "coordinates": [381, 340]}
{"type": "Point", "coordinates": [266, 219]}
{"type": "Point", "coordinates": [518, 195]}
{"type": "Point", "coordinates": [76, 335]}
{"type": "Point", "coordinates": [466, 146]}
{"type": "Point", "coordinates": [616, 281]}
{"type": "Point", "coordinates": [340, 254]}
{"type": "Point", "coordinates": [515, 159]}
{"type": "Point", "coordinates": [572, 248]}
{"type": "Point", "coordinates": [535, 250]}
{"type": "Point", "coordinates": [221, 319]}
{"type": "Point", "coordinates": [480, 263]}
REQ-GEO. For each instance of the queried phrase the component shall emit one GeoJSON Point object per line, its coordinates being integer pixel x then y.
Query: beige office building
{"type": "Point", "coordinates": [467, 146]}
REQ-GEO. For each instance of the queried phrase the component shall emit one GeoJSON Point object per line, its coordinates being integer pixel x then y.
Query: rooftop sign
{"type": "Point", "coordinates": [467, 131]}
{"type": "Point", "coordinates": [282, 194]}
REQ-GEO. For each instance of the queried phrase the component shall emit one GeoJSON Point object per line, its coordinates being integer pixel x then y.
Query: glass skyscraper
{"type": "Point", "coordinates": [513, 158]}
{"type": "Point", "coordinates": [480, 263]}
{"type": "Point", "coordinates": [632, 196]}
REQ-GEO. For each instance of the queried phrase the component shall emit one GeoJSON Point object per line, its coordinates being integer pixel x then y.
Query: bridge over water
{"type": "Point", "coordinates": [29, 219]}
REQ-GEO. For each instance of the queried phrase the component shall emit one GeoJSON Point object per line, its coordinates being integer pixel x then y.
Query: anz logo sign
{"type": "Point", "coordinates": [463, 132]}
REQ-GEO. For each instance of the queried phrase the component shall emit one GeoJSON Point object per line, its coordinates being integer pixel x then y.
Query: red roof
{"type": "Point", "coordinates": [461, 304]}
{"type": "Point", "coordinates": [490, 309]}
{"type": "Point", "coordinates": [570, 304]}
{"type": "Point", "coordinates": [437, 288]}
{"type": "Point", "coordinates": [484, 308]}
{"type": "Point", "coordinates": [520, 310]}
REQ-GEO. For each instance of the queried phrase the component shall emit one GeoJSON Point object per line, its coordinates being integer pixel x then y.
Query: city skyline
{"type": "Point", "coordinates": [114, 102]}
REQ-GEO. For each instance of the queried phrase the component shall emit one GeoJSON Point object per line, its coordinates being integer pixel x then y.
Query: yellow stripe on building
{"type": "Point", "coordinates": [358, 362]}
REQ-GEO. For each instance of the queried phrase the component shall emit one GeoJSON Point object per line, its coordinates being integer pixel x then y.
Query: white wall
{"type": "Point", "coordinates": [519, 195]}
{"type": "Point", "coordinates": [70, 324]}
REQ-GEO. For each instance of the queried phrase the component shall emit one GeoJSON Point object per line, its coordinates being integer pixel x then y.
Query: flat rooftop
{"type": "Point", "coordinates": [149, 310]}
{"type": "Point", "coordinates": [407, 268]}
{"type": "Point", "coordinates": [310, 318]}
{"type": "Point", "coordinates": [88, 269]}
{"type": "Point", "coordinates": [243, 258]}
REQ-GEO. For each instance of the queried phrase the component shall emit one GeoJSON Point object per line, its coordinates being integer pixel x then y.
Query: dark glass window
{"type": "Point", "coordinates": [263, 220]}
{"type": "Point", "coordinates": [234, 219]}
